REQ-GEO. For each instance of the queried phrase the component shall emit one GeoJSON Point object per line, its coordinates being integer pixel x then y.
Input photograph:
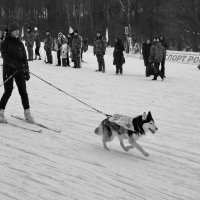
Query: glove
{"type": "Point", "coordinates": [94, 53]}
{"type": "Point", "coordinates": [78, 51]}
{"type": "Point", "coordinates": [103, 52]}
{"type": "Point", "coordinates": [27, 75]}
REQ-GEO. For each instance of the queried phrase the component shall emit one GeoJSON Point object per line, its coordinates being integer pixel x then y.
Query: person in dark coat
{"type": "Point", "coordinates": [48, 44]}
{"type": "Point", "coordinates": [15, 67]}
{"type": "Point", "coordinates": [118, 55]}
{"type": "Point", "coordinates": [164, 44]}
{"type": "Point", "coordinates": [76, 49]}
{"type": "Point", "coordinates": [37, 43]}
{"type": "Point", "coordinates": [146, 53]}
{"type": "Point", "coordinates": [157, 53]}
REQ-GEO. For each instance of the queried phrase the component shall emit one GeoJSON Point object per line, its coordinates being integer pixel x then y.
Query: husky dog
{"type": "Point", "coordinates": [125, 127]}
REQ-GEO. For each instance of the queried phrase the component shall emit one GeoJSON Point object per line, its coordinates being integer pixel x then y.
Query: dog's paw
{"type": "Point", "coordinates": [128, 148]}
{"type": "Point", "coordinates": [146, 154]}
{"type": "Point", "coordinates": [106, 148]}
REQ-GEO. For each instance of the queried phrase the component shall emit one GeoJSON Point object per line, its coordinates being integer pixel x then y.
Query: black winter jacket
{"type": "Point", "coordinates": [14, 54]}
{"type": "Point", "coordinates": [146, 53]}
{"type": "Point", "coordinates": [118, 53]}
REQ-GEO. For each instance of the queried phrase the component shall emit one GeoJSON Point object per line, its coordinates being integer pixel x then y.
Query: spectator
{"type": "Point", "coordinates": [99, 51]}
{"type": "Point", "coordinates": [146, 53]}
{"type": "Point", "coordinates": [76, 49]}
{"type": "Point", "coordinates": [157, 52]}
{"type": "Point", "coordinates": [84, 47]}
{"type": "Point", "coordinates": [59, 45]}
{"type": "Point", "coordinates": [48, 43]}
{"type": "Point", "coordinates": [164, 44]}
{"type": "Point", "coordinates": [64, 52]}
{"type": "Point", "coordinates": [29, 43]}
{"type": "Point", "coordinates": [118, 55]}
{"type": "Point", "coordinates": [37, 44]}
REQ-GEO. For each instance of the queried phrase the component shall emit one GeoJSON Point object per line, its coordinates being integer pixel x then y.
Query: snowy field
{"type": "Point", "coordinates": [72, 165]}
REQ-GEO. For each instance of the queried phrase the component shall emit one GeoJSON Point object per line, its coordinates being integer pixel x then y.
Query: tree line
{"type": "Point", "coordinates": [177, 20]}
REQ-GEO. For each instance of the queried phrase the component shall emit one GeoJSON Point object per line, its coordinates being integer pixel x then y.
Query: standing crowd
{"type": "Point", "coordinates": [154, 54]}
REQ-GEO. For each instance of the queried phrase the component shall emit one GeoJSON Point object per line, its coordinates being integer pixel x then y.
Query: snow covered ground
{"type": "Point", "coordinates": [72, 165]}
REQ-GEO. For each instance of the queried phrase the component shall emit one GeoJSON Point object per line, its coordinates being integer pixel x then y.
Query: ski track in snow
{"type": "Point", "coordinates": [72, 165]}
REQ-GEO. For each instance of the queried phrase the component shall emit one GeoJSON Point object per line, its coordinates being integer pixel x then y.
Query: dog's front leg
{"type": "Point", "coordinates": [104, 144]}
{"type": "Point", "coordinates": [137, 146]}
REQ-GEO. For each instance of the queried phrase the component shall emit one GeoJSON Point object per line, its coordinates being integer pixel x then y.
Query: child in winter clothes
{"type": "Point", "coordinates": [64, 52]}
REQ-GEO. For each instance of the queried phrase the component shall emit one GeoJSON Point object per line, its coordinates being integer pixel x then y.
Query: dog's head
{"type": "Point", "coordinates": [148, 123]}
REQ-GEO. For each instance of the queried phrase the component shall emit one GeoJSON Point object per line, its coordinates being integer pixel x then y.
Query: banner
{"type": "Point", "coordinates": [183, 57]}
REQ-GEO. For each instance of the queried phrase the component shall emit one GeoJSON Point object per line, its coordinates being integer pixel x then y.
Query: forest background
{"type": "Point", "coordinates": [177, 20]}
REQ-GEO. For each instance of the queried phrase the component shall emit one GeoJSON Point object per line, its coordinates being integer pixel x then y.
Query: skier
{"type": "Point", "coordinates": [15, 62]}
{"type": "Point", "coordinates": [99, 51]}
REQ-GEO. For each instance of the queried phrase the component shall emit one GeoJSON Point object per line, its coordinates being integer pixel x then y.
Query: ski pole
{"type": "Point", "coordinates": [68, 94]}
{"type": "Point", "coordinates": [8, 78]}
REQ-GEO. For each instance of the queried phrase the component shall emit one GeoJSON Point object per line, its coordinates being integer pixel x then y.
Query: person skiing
{"type": "Point", "coordinates": [99, 51]}
{"type": "Point", "coordinates": [15, 67]}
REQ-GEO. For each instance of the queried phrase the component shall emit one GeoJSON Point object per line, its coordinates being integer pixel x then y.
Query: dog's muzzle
{"type": "Point", "coordinates": [153, 131]}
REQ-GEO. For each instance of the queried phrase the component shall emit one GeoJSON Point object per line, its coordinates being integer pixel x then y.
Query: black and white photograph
{"type": "Point", "coordinates": [99, 100]}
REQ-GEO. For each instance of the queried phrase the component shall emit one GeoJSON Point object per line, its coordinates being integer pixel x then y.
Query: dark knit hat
{"type": "Point", "coordinates": [13, 26]}
{"type": "Point", "coordinates": [75, 31]}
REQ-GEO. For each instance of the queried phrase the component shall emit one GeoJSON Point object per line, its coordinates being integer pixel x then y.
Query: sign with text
{"type": "Point", "coordinates": [126, 30]}
{"type": "Point", "coordinates": [183, 57]}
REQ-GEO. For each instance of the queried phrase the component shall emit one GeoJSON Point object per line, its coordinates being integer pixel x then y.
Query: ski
{"type": "Point", "coordinates": [24, 128]}
{"type": "Point", "coordinates": [37, 124]}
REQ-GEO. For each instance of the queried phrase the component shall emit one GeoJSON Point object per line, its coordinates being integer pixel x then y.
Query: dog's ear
{"type": "Point", "coordinates": [144, 116]}
{"type": "Point", "coordinates": [149, 114]}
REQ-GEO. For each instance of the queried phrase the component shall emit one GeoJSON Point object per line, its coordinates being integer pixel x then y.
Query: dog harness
{"type": "Point", "coordinates": [123, 121]}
